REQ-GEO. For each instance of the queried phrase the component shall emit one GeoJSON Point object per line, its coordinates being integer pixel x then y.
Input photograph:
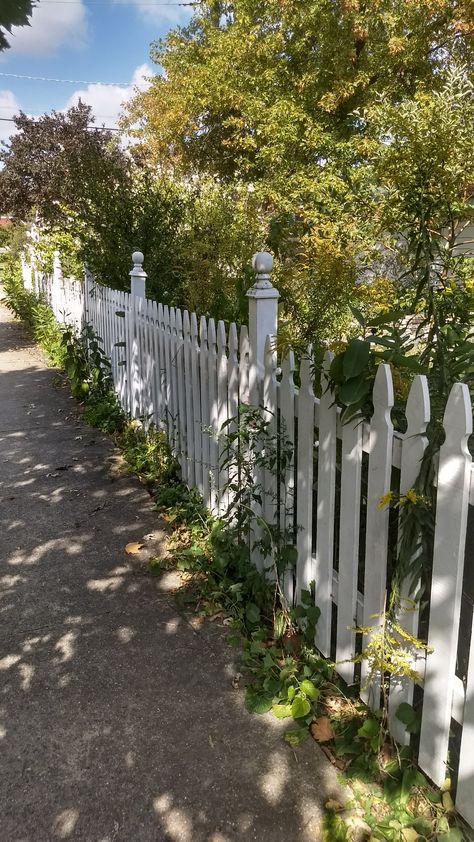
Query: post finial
{"type": "Point", "coordinates": [137, 260]}
{"type": "Point", "coordinates": [262, 264]}
{"type": "Point", "coordinates": [138, 275]}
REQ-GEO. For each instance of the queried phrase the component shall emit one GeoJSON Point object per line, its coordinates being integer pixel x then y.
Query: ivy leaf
{"type": "Point", "coordinates": [409, 717]}
{"type": "Point", "coordinates": [369, 729]}
{"type": "Point", "coordinates": [256, 702]}
{"type": "Point", "coordinates": [308, 688]}
{"type": "Point", "coordinates": [281, 711]}
{"type": "Point", "coordinates": [300, 707]}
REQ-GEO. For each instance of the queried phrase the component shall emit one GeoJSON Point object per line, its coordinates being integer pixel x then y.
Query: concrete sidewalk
{"type": "Point", "coordinates": [118, 718]}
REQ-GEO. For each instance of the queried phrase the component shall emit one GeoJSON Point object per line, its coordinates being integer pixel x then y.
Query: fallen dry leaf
{"type": "Point", "coordinates": [133, 548]}
{"type": "Point", "coordinates": [333, 805]}
{"type": "Point", "coordinates": [321, 729]}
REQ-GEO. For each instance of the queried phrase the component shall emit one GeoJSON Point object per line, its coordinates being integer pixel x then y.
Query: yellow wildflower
{"type": "Point", "coordinates": [385, 500]}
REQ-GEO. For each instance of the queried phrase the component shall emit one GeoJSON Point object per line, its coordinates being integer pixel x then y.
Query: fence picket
{"type": "Point", "coordinates": [181, 396]}
{"type": "Point", "coordinates": [414, 444]}
{"type": "Point", "coordinates": [213, 417]}
{"type": "Point", "coordinates": [446, 587]}
{"type": "Point", "coordinates": [196, 395]}
{"type": "Point", "coordinates": [287, 441]}
{"type": "Point", "coordinates": [270, 403]}
{"type": "Point", "coordinates": [222, 412]}
{"type": "Point", "coordinates": [325, 511]}
{"type": "Point", "coordinates": [380, 467]}
{"type": "Point", "coordinates": [351, 473]}
{"type": "Point", "coordinates": [189, 453]}
{"type": "Point", "coordinates": [464, 800]}
{"type": "Point", "coordinates": [305, 573]}
{"type": "Point", "coordinates": [205, 415]}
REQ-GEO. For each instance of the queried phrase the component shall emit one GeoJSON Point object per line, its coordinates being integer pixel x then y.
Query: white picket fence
{"type": "Point", "coordinates": [188, 376]}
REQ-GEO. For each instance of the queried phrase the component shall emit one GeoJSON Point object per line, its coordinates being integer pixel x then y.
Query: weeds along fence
{"type": "Point", "coordinates": [188, 376]}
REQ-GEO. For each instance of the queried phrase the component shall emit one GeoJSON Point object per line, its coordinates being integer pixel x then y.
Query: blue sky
{"type": "Point", "coordinates": [91, 40]}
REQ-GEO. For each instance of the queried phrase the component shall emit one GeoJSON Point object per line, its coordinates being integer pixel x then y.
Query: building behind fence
{"type": "Point", "coordinates": [188, 376]}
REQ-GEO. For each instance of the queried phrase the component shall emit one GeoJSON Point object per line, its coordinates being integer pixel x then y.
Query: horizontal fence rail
{"type": "Point", "coordinates": [188, 376]}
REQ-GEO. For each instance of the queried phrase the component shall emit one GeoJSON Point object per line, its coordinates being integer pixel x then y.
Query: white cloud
{"type": "Point", "coordinates": [172, 13]}
{"type": "Point", "coordinates": [51, 27]}
{"type": "Point", "coordinates": [107, 100]}
{"type": "Point", "coordinates": [8, 107]}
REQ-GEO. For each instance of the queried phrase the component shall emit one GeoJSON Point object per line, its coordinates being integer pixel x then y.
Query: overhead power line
{"type": "Point", "coordinates": [67, 81]}
{"type": "Point", "coordinates": [90, 126]}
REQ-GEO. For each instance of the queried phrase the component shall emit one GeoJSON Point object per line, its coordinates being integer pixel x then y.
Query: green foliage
{"type": "Point", "coordinates": [14, 13]}
{"type": "Point", "coordinates": [36, 314]}
{"type": "Point", "coordinates": [148, 455]}
{"type": "Point", "coordinates": [97, 203]}
{"type": "Point", "coordinates": [350, 125]}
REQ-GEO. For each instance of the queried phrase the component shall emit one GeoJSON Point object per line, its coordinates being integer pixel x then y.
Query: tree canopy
{"type": "Point", "coordinates": [13, 13]}
{"type": "Point", "coordinates": [307, 106]}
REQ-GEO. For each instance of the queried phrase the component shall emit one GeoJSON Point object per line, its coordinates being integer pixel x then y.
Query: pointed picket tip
{"type": "Point", "coordinates": [288, 365]}
{"type": "Point", "coordinates": [179, 321]}
{"type": "Point", "coordinates": [221, 336]}
{"type": "Point", "coordinates": [172, 317]}
{"type": "Point", "coordinates": [203, 328]}
{"type": "Point", "coordinates": [382, 394]}
{"type": "Point", "coordinates": [306, 371]}
{"type": "Point", "coordinates": [244, 339]}
{"type": "Point", "coordinates": [233, 340]}
{"type": "Point", "coordinates": [457, 419]}
{"type": "Point", "coordinates": [186, 323]}
{"type": "Point", "coordinates": [211, 333]}
{"type": "Point", "coordinates": [194, 324]}
{"type": "Point", "coordinates": [418, 411]}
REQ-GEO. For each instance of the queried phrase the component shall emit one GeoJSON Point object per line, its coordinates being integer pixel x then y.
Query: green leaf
{"type": "Point", "coordinates": [300, 707]}
{"type": "Point", "coordinates": [453, 835]}
{"type": "Point", "coordinates": [409, 717]}
{"type": "Point", "coordinates": [356, 358]}
{"type": "Point", "coordinates": [291, 692]}
{"type": "Point", "coordinates": [336, 368]}
{"type": "Point", "coordinates": [354, 390]}
{"type": "Point", "coordinates": [281, 711]}
{"type": "Point", "coordinates": [252, 613]}
{"type": "Point", "coordinates": [358, 316]}
{"type": "Point", "coordinates": [369, 729]}
{"type": "Point", "coordinates": [296, 736]}
{"type": "Point", "coordinates": [308, 688]}
{"type": "Point", "coordinates": [257, 702]}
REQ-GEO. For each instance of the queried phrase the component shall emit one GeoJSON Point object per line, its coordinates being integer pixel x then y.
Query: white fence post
{"type": "Point", "coordinates": [137, 298]}
{"type": "Point", "coordinates": [263, 321]}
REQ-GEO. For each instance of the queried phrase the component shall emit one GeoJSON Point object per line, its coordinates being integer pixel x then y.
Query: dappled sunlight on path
{"type": "Point", "coordinates": [119, 721]}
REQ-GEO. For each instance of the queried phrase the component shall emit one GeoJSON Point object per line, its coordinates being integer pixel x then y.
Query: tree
{"type": "Point", "coordinates": [271, 95]}
{"type": "Point", "coordinates": [79, 182]}
{"type": "Point", "coordinates": [14, 13]}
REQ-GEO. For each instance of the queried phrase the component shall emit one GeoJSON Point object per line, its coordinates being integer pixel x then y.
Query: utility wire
{"type": "Point", "coordinates": [91, 126]}
{"type": "Point", "coordinates": [67, 81]}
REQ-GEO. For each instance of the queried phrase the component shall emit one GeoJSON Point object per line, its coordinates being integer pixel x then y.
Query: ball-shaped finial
{"type": "Point", "coordinates": [138, 258]}
{"type": "Point", "coordinates": [262, 263]}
